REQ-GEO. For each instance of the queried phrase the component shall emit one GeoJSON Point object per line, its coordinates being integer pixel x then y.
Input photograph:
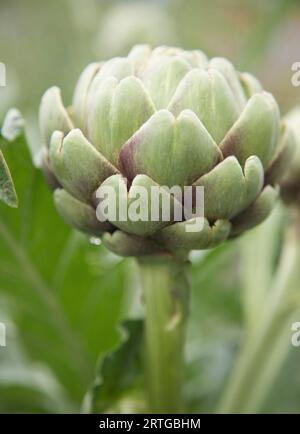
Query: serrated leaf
{"type": "Point", "coordinates": [61, 288]}
{"type": "Point", "coordinates": [7, 189]}
{"type": "Point", "coordinates": [119, 375]}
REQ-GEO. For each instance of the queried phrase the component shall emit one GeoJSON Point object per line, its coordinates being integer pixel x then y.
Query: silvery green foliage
{"type": "Point", "coordinates": [169, 117]}
{"type": "Point", "coordinates": [12, 127]}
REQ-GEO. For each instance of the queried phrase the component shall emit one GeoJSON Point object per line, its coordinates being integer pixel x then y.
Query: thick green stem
{"type": "Point", "coordinates": [264, 351]}
{"type": "Point", "coordinates": [166, 294]}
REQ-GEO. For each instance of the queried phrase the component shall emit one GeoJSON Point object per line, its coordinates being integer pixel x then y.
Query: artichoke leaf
{"type": "Point", "coordinates": [124, 244]}
{"type": "Point", "coordinates": [137, 210]}
{"type": "Point", "coordinates": [77, 165]}
{"type": "Point", "coordinates": [53, 115]}
{"type": "Point", "coordinates": [257, 212]}
{"type": "Point", "coordinates": [210, 97]}
{"type": "Point", "coordinates": [228, 190]}
{"type": "Point", "coordinates": [118, 110]}
{"type": "Point", "coordinates": [178, 238]}
{"type": "Point", "coordinates": [79, 215]}
{"type": "Point", "coordinates": [255, 132]}
{"type": "Point", "coordinates": [171, 151]}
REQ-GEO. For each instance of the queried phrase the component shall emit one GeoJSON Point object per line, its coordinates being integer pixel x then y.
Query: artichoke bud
{"type": "Point", "coordinates": [290, 184]}
{"type": "Point", "coordinates": [165, 118]}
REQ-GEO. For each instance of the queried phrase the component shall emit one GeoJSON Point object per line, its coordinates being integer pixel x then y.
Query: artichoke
{"type": "Point", "coordinates": [290, 184]}
{"type": "Point", "coordinates": [165, 117]}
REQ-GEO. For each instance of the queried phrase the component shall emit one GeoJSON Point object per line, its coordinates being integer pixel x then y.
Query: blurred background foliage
{"type": "Point", "coordinates": [62, 295]}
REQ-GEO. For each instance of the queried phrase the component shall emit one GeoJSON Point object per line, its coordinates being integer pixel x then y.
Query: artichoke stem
{"type": "Point", "coordinates": [166, 295]}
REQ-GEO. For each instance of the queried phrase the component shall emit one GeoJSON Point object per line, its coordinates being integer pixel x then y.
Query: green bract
{"type": "Point", "coordinates": [290, 184]}
{"type": "Point", "coordinates": [165, 117]}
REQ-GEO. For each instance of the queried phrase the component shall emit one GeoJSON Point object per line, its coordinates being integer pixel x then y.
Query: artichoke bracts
{"type": "Point", "coordinates": [165, 117]}
{"type": "Point", "coordinates": [290, 184]}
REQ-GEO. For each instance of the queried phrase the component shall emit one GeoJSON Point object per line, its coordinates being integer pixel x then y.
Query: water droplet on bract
{"type": "Point", "coordinates": [95, 241]}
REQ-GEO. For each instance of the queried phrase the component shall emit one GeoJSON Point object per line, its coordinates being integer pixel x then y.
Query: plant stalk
{"type": "Point", "coordinates": [166, 295]}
